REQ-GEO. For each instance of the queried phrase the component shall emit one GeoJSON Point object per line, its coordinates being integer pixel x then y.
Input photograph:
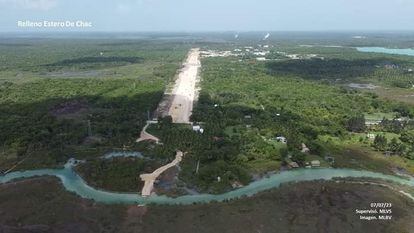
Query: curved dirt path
{"type": "Point", "coordinates": [144, 136]}
{"type": "Point", "coordinates": [149, 179]}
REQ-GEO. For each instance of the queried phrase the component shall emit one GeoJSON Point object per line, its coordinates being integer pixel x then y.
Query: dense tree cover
{"type": "Point", "coordinates": [35, 55]}
{"type": "Point", "coordinates": [211, 150]}
{"type": "Point", "coordinates": [342, 70]}
{"type": "Point", "coordinates": [393, 126]}
{"type": "Point", "coordinates": [380, 142]}
{"type": "Point", "coordinates": [408, 138]}
{"type": "Point", "coordinates": [356, 124]}
{"type": "Point", "coordinates": [384, 70]}
{"type": "Point", "coordinates": [324, 69]}
{"type": "Point", "coordinates": [393, 146]}
{"type": "Point", "coordinates": [82, 114]}
{"type": "Point", "coordinates": [286, 98]}
{"type": "Point", "coordinates": [48, 120]}
{"type": "Point", "coordinates": [344, 65]}
{"type": "Point", "coordinates": [243, 110]}
{"type": "Point", "coordinates": [398, 141]}
{"type": "Point", "coordinates": [244, 105]}
{"type": "Point", "coordinates": [118, 174]}
{"type": "Point", "coordinates": [93, 62]}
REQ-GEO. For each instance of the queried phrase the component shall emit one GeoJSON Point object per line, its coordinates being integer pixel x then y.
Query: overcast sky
{"type": "Point", "coordinates": [214, 15]}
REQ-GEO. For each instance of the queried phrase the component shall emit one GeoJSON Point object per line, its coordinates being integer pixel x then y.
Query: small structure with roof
{"type": "Point", "coordinates": [305, 149]}
{"type": "Point", "coordinates": [236, 184]}
{"type": "Point", "coordinates": [293, 165]}
{"type": "Point", "coordinates": [281, 139]}
{"type": "Point", "coordinates": [197, 128]}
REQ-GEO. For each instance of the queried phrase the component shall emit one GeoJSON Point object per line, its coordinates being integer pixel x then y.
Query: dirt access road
{"type": "Point", "coordinates": [178, 103]}
{"type": "Point", "coordinates": [149, 179]}
{"type": "Point", "coordinates": [144, 136]}
{"type": "Point", "coordinates": [185, 90]}
{"type": "Point", "coordinates": [182, 98]}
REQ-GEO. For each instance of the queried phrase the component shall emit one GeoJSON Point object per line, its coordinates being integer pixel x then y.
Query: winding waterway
{"type": "Point", "coordinates": [74, 183]}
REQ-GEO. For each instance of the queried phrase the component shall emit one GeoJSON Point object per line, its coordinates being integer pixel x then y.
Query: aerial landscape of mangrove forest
{"type": "Point", "coordinates": [101, 115]}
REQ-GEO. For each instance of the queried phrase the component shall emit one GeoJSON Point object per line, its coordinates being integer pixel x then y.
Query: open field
{"type": "Point", "coordinates": [396, 94]}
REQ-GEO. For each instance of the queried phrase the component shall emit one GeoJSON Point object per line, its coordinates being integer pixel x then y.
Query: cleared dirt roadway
{"type": "Point", "coordinates": [149, 179]}
{"type": "Point", "coordinates": [185, 92]}
{"type": "Point", "coordinates": [144, 136]}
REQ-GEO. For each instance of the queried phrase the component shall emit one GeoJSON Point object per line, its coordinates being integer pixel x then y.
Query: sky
{"type": "Point", "coordinates": [211, 15]}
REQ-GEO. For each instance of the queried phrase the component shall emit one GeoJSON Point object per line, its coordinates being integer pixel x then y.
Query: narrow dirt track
{"type": "Point", "coordinates": [144, 136]}
{"type": "Point", "coordinates": [183, 95]}
{"type": "Point", "coordinates": [149, 179]}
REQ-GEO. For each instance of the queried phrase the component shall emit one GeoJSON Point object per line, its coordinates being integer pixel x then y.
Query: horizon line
{"type": "Point", "coordinates": [207, 31]}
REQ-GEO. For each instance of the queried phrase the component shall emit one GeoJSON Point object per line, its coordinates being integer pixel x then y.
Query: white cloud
{"type": "Point", "coordinates": [30, 4]}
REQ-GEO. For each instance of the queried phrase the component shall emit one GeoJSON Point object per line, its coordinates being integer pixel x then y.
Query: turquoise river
{"type": "Point", "coordinates": [74, 183]}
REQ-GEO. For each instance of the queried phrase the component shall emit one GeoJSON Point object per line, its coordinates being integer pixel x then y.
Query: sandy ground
{"type": "Point", "coordinates": [149, 179]}
{"type": "Point", "coordinates": [185, 92]}
{"type": "Point", "coordinates": [178, 103]}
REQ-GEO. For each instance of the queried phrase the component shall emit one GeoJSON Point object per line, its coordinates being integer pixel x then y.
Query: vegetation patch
{"type": "Point", "coordinates": [117, 174]}
{"type": "Point", "coordinates": [46, 120]}
{"type": "Point", "coordinates": [89, 62]}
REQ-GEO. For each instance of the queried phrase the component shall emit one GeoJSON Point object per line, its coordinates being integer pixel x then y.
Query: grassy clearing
{"type": "Point", "coordinates": [263, 166]}
{"type": "Point", "coordinates": [352, 153]}
{"type": "Point", "coordinates": [378, 116]}
{"type": "Point", "coordinates": [396, 94]}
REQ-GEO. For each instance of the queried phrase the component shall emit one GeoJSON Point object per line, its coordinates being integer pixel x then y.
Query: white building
{"type": "Point", "coordinates": [305, 149]}
{"type": "Point", "coordinates": [281, 139]}
{"type": "Point", "coordinates": [198, 128]}
{"type": "Point", "coordinates": [315, 163]}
